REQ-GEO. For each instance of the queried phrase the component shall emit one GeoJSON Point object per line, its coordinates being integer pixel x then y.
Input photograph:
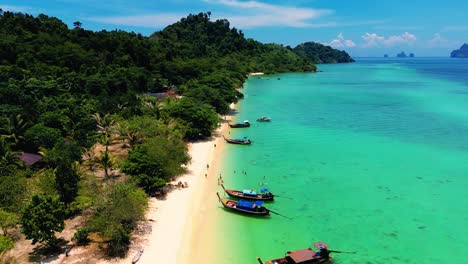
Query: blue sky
{"type": "Point", "coordinates": [361, 27]}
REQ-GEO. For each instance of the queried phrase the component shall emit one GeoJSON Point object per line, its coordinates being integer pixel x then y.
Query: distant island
{"type": "Point", "coordinates": [319, 53]}
{"type": "Point", "coordinates": [385, 56]}
{"type": "Point", "coordinates": [460, 53]}
{"type": "Point", "coordinates": [403, 55]}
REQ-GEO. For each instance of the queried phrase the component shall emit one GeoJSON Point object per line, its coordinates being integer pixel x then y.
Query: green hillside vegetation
{"type": "Point", "coordinates": [319, 53]}
{"type": "Point", "coordinates": [80, 100]}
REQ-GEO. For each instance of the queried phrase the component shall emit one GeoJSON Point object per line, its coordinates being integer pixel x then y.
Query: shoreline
{"type": "Point", "coordinates": [176, 222]}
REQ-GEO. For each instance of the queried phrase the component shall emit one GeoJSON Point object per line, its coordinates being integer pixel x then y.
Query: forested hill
{"type": "Point", "coordinates": [75, 115]}
{"type": "Point", "coordinates": [319, 53]}
{"type": "Point", "coordinates": [218, 45]}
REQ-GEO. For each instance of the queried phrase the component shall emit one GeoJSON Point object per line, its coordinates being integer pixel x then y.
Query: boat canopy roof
{"type": "Point", "coordinates": [264, 190]}
{"type": "Point", "coordinates": [249, 192]}
{"type": "Point", "coordinates": [302, 256]}
{"type": "Point", "coordinates": [246, 121]}
{"type": "Point", "coordinates": [248, 204]}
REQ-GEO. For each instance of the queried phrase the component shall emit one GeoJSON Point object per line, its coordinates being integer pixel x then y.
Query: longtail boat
{"type": "Point", "coordinates": [243, 141]}
{"type": "Point", "coordinates": [246, 123]}
{"type": "Point", "coordinates": [264, 119]}
{"type": "Point", "coordinates": [245, 207]}
{"type": "Point", "coordinates": [304, 256]}
{"type": "Point", "coordinates": [264, 195]}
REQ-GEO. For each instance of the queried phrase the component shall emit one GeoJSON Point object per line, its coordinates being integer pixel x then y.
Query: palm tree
{"type": "Point", "coordinates": [133, 138]}
{"type": "Point", "coordinates": [14, 128]}
{"type": "Point", "coordinates": [105, 126]}
{"type": "Point", "coordinates": [89, 158]}
{"type": "Point", "coordinates": [7, 156]}
{"type": "Point", "coordinates": [153, 105]}
{"type": "Point", "coordinates": [77, 24]}
{"type": "Point", "coordinates": [105, 159]}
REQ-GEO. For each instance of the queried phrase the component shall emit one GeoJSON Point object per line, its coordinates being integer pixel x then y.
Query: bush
{"type": "Point", "coordinates": [6, 243]}
{"type": "Point", "coordinates": [41, 135]}
{"type": "Point", "coordinates": [118, 241]}
{"type": "Point", "coordinates": [117, 213]}
{"type": "Point", "coordinates": [42, 217]}
{"type": "Point", "coordinates": [156, 161]}
{"type": "Point", "coordinates": [81, 236]}
{"type": "Point", "coordinates": [198, 118]}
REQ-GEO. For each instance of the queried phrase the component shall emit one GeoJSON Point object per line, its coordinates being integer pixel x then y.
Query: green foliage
{"type": "Point", "coordinates": [156, 161]}
{"type": "Point", "coordinates": [63, 152]}
{"type": "Point", "coordinates": [119, 240]}
{"type": "Point", "coordinates": [8, 157]}
{"type": "Point", "coordinates": [198, 119]}
{"type": "Point", "coordinates": [40, 135]}
{"type": "Point", "coordinates": [7, 220]}
{"type": "Point", "coordinates": [47, 182]}
{"type": "Point", "coordinates": [66, 180]}
{"type": "Point", "coordinates": [62, 158]}
{"type": "Point", "coordinates": [88, 191]}
{"type": "Point", "coordinates": [117, 213]}
{"type": "Point", "coordinates": [12, 189]}
{"type": "Point", "coordinates": [81, 236]}
{"type": "Point", "coordinates": [43, 216]}
{"type": "Point", "coordinates": [318, 53]}
{"type": "Point", "coordinates": [56, 83]}
{"type": "Point", "coordinates": [6, 243]}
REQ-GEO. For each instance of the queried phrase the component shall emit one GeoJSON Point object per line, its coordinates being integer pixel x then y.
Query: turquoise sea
{"type": "Point", "coordinates": [374, 154]}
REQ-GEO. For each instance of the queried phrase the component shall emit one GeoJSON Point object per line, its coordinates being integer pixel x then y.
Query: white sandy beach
{"type": "Point", "coordinates": [172, 216]}
{"type": "Point", "coordinates": [256, 73]}
{"type": "Point", "coordinates": [176, 221]}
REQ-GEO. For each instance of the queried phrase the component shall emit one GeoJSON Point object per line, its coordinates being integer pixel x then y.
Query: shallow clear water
{"type": "Point", "coordinates": [374, 153]}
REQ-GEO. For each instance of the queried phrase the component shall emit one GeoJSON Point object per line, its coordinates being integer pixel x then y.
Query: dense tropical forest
{"type": "Point", "coordinates": [318, 53]}
{"type": "Point", "coordinates": [93, 122]}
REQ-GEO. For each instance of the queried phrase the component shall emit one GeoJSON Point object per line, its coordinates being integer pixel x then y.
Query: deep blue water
{"type": "Point", "coordinates": [447, 68]}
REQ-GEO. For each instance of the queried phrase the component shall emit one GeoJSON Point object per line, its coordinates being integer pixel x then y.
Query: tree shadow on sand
{"type": "Point", "coordinates": [46, 253]}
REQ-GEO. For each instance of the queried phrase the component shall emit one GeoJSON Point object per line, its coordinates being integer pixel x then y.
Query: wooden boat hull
{"type": "Point", "coordinates": [232, 206]}
{"type": "Point", "coordinates": [241, 195]}
{"type": "Point", "coordinates": [239, 125]}
{"type": "Point", "coordinates": [228, 204]}
{"type": "Point", "coordinates": [304, 256]}
{"type": "Point", "coordinates": [285, 261]}
{"type": "Point", "coordinates": [238, 142]}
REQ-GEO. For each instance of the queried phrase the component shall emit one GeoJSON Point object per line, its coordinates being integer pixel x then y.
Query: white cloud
{"type": "Point", "coordinates": [374, 40]}
{"type": "Point", "coordinates": [405, 38]}
{"type": "Point", "coordinates": [242, 14]}
{"type": "Point", "coordinates": [259, 14]}
{"type": "Point", "coordinates": [341, 42]}
{"type": "Point", "coordinates": [149, 21]}
{"type": "Point", "coordinates": [439, 41]}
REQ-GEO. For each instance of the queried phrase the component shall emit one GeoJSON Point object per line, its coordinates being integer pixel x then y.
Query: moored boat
{"type": "Point", "coordinates": [246, 123]}
{"type": "Point", "coordinates": [264, 119]}
{"type": "Point", "coordinates": [246, 207]}
{"type": "Point", "coordinates": [264, 195]}
{"type": "Point", "coordinates": [243, 141]}
{"type": "Point", "coordinates": [304, 256]}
